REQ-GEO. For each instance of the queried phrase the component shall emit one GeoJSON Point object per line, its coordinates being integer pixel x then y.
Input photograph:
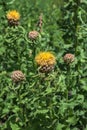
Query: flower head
{"type": "Point", "coordinates": [46, 61]}
{"type": "Point", "coordinates": [45, 58]}
{"type": "Point", "coordinates": [13, 15]}
{"type": "Point", "coordinates": [33, 35]}
{"type": "Point", "coordinates": [17, 76]}
{"type": "Point", "coordinates": [68, 58]}
{"type": "Point", "coordinates": [13, 18]}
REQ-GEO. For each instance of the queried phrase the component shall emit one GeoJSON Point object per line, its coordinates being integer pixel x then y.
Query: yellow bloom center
{"type": "Point", "coordinates": [13, 15]}
{"type": "Point", "coordinates": [45, 58]}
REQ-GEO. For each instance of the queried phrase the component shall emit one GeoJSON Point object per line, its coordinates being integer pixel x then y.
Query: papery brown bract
{"type": "Point", "coordinates": [17, 76]}
{"type": "Point", "coordinates": [68, 58]}
{"type": "Point", "coordinates": [33, 35]}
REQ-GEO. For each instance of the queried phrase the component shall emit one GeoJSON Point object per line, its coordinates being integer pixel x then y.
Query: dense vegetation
{"type": "Point", "coordinates": [50, 98]}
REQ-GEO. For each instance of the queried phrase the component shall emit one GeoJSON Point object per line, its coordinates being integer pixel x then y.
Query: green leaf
{"type": "Point", "coordinates": [59, 126]}
{"type": "Point", "coordinates": [72, 120]}
{"type": "Point", "coordinates": [14, 126]}
{"type": "Point", "coordinates": [2, 50]}
{"type": "Point", "coordinates": [80, 98]}
{"type": "Point", "coordinates": [41, 111]}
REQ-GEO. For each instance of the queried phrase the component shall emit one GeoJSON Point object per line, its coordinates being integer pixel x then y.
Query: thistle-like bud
{"type": "Point", "coordinates": [33, 35]}
{"type": "Point", "coordinates": [17, 76]}
{"type": "Point", "coordinates": [68, 58]}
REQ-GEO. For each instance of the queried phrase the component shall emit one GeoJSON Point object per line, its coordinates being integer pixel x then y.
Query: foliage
{"type": "Point", "coordinates": [46, 101]}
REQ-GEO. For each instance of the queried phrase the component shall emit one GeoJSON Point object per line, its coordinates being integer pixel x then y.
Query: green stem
{"type": "Point", "coordinates": [3, 3]}
{"type": "Point", "coordinates": [33, 53]}
{"type": "Point", "coordinates": [76, 22]}
{"type": "Point", "coordinates": [68, 81]}
{"type": "Point", "coordinates": [22, 107]}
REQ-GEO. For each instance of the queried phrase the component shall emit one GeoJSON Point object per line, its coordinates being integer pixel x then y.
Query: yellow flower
{"type": "Point", "coordinates": [45, 59]}
{"type": "Point", "coordinates": [13, 15]}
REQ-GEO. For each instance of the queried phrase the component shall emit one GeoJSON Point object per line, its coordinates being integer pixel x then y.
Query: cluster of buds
{"type": "Point", "coordinates": [33, 35]}
{"type": "Point", "coordinates": [45, 61]}
{"type": "Point", "coordinates": [17, 76]}
{"type": "Point", "coordinates": [40, 22]}
{"type": "Point", "coordinates": [68, 58]}
{"type": "Point", "coordinates": [13, 18]}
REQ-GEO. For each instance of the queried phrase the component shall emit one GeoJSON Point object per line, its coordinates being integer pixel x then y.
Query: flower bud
{"type": "Point", "coordinates": [17, 76]}
{"type": "Point", "coordinates": [33, 35]}
{"type": "Point", "coordinates": [68, 58]}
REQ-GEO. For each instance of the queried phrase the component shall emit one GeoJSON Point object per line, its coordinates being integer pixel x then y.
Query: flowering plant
{"type": "Point", "coordinates": [43, 73]}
